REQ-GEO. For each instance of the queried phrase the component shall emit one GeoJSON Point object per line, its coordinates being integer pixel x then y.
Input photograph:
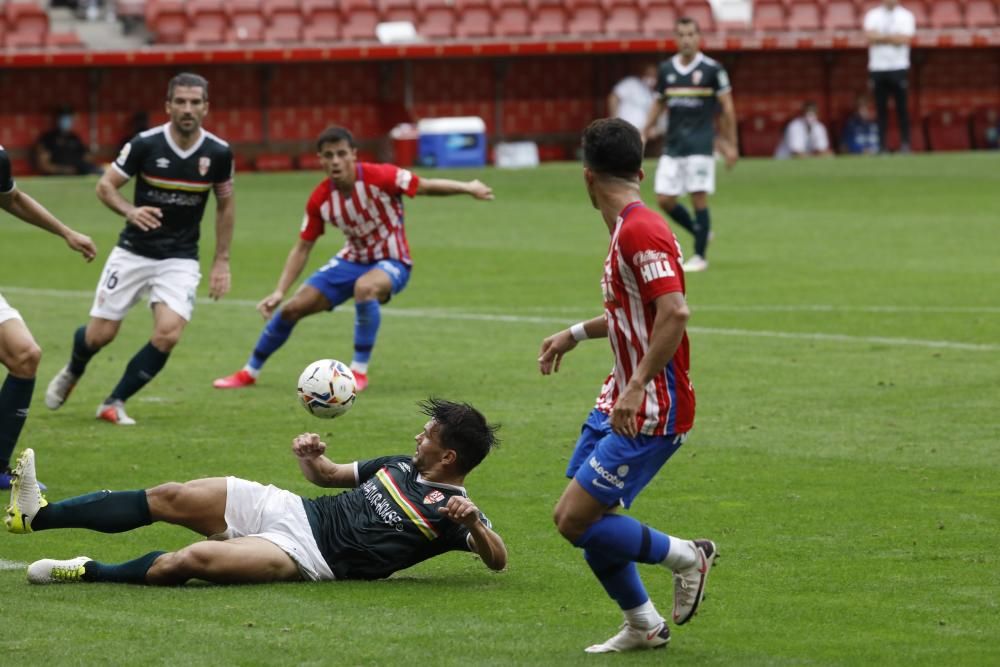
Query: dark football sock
{"type": "Point", "coordinates": [680, 215]}
{"type": "Point", "coordinates": [702, 227]}
{"type": "Point", "coordinates": [81, 353]}
{"type": "Point", "coordinates": [131, 572]}
{"type": "Point", "coordinates": [15, 397]}
{"type": "Point", "coordinates": [103, 511]}
{"type": "Point", "coordinates": [142, 368]}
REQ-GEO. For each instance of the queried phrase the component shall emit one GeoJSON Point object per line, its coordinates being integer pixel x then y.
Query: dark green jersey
{"type": "Point", "coordinates": [388, 523]}
{"type": "Point", "coordinates": [691, 93]}
{"type": "Point", "coordinates": [6, 175]}
{"type": "Point", "coordinates": [177, 182]}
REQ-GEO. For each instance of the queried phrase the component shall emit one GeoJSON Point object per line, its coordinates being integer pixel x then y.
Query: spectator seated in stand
{"type": "Point", "coordinates": [60, 151]}
{"type": "Point", "coordinates": [860, 134]}
{"type": "Point", "coordinates": [805, 136]}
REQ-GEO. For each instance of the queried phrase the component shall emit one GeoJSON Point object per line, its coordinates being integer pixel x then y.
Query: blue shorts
{"type": "Point", "coordinates": [336, 278]}
{"type": "Point", "coordinates": [614, 468]}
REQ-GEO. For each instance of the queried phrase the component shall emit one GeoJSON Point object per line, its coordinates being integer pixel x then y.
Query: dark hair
{"type": "Point", "coordinates": [332, 135]}
{"type": "Point", "coordinates": [687, 20]}
{"type": "Point", "coordinates": [463, 429]}
{"type": "Point", "coordinates": [613, 147]}
{"type": "Point", "coordinates": [187, 80]}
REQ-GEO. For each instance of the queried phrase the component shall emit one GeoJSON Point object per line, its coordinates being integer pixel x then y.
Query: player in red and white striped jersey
{"type": "Point", "coordinates": [646, 406]}
{"type": "Point", "coordinates": [365, 202]}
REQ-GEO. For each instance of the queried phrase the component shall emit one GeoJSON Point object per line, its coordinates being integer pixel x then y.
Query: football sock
{"type": "Point", "coordinates": [103, 511]}
{"type": "Point", "coordinates": [274, 335]}
{"type": "Point", "coordinates": [625, 539]}
{"type": "Point", "coordinates": [142, 368]}
{"type": "Point", "coordinates": [680, 215]}
{"type": "Point", "coordinates": [81, 353]}
{"type": "Point", "coordinates": [368, 317]}
{"type": "Point", "coordinates": [682, 555]}
{"type": "Point", "coordinates": [620, 579]}
{"type": "Point", "coordinates": [644, 617]}
{"type": "Point", "coordinates": [15, 397]}
{"type": "Point", "coordinates": [131, 572]}
{"type": "Point", "coordinates": [702, 228]}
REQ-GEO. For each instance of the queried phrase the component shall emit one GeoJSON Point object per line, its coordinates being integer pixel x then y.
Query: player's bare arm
{"type": "Point", "coordinates": [445, 186]}
{"type": "Point", "coordinates": [108, 191]}
{"type": "Point", "coordinates": [559, 343]}
{"type": "Point", "coordinates": [727, 129]}
{"type": "Point", "coordinates": [310, 452]}
{"type": "Point", "coordinates": [668, 329]}
{"type": "Point", "coordinates": [875, 37]}
{"type": "Point", "coordinates": [487, 544]}
{"type": "Point", "coordinates": [296, 261]}
{"type": "Point", "coordinates": [25, 207]}
{"type": "Point", "coordinates": [655, 112]}
{"type": "Point", "coordinates": [220, 278]}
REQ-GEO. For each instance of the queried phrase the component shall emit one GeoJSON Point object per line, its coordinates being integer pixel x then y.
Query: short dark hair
{"type": "Point", "coordinates": [187, 80]}
{"type": "Point", "coordinates": [613, 147]}
{"type": "Point", "coordinates": [332, 135]}
{"type": "Point", "coordinates": [462, 429]}
{"type": "Point", "coordinates": [687, 20]}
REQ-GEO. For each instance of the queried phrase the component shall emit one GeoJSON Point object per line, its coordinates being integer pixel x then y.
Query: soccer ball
{"type": "Point", "coordinates": [327, 388]}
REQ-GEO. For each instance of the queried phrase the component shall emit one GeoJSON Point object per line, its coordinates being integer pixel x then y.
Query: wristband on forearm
{"type": "Point", "coordinates": [578, 332]}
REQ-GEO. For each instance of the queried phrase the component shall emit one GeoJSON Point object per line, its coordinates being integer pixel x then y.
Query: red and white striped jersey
{"type": "Point", "coordinates": [371, 218]}
{"type": "Point", "coordinates": [643, 263]}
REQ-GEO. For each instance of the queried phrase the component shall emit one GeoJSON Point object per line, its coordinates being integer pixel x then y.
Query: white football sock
{"type": "Point", "coordinates": [643, 617]}
{"type": "Point", "coordinates": [359, 367]}
{"type": "Point", "coordinates": [254, 372]}
{"type": "Point", "coordinates": [681, 555]}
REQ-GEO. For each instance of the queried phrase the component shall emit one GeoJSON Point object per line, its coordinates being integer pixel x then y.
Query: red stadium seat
{"type": "Point", "coordinates": [512, 18]}
{"type": "Point", "coordinates": [947, 131]}
{"type": "Point", "coordinates": [622, 17]}
{"type": "Point", "coordinates": [586, 17]}
{"type": "Point", "coordinates": [167, 20]}
{"type": "Point", "coordinates": [759, 136]}
{"type": "Point", "coordinates": [920, 14]}
{"type": "Point", "coordinates": [981, 14]}
{"type": "Point", "coordinates": [659, 17]}
{"type": "Point", "coordinates": [273, 162]}
{"type": "Point", "coordinates": [946, 14]}
{"type": "Point", "coordinates": [209, 22]}
{"type": "Point", "coordinates": [358, 19]}
{"type": "Point", "coordinates": [284, 21]}
{"type": "Point", "coordinates": [397, 10]}
{"type": "Point", "coordinates": [841, 15]}
{"type": "Point", "coordinates": [436, 19]}
{"type": "Point", "coordinates": [475, 18]}
{"type": "Point", "coordinates": [64, 40]}
{"type": "Point", "coordinates": [246, 21]}
{"type": "Point", "coordinates": [27, 25]}
{"type": "Point", "coordinates": [700, 11]}
{"type": "Point", "coordinates": [769, 15]}
{"type": "Point", "coordinates": [322, 20]}
{"type": "Point", "coordinates": [3, 28]}
{"type": "Point", "coordinates": [803, 15]}
{"type": "Point", "coordinates": [548, 18]}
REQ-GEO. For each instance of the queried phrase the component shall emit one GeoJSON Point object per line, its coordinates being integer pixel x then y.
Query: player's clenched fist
{"type": "Point", "coordinates": [461, 510]}
{"type": "Point", "coordinates": [308, 446]}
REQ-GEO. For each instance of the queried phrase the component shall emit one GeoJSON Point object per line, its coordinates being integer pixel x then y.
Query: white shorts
{"type": "Point", "coordinates": [8, 312]}
{"type": "Point", "coordinates": [127, 277]}
{"type": "Point", "coordinates": [276, 515]}
{"type": "Point", "coordinates": [680, 175]}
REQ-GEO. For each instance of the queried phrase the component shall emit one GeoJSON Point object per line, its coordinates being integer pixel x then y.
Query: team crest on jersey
{"type": "Point", "coordinates": [203, 164]}
{"type": "Point", "coordinates": [696, 77]}
{"type": "Point", "coordinates": [652, 265]}
{"type": "Point", "coordinates": [671, 78]}
{"type": "Point", "coordinates": [434, 496]}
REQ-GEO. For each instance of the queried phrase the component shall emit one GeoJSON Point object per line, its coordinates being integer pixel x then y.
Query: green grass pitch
{"type": "Point", "coordinates": [846, 356]}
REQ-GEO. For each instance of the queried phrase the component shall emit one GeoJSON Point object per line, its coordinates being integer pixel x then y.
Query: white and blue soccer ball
{"type": "Point", "coordinates": [327, 388]}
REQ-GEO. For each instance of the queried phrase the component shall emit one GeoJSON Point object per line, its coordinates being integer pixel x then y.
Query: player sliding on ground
{"type": "Point", "coordinates": [403, 510]}
{"type": "Point", "coordinates": [646, 406]}
{"type": "Point", "coordinates": [365, 202]}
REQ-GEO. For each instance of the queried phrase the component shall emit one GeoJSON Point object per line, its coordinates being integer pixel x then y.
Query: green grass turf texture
{"type": "Point", "coordinates": [847, 469]}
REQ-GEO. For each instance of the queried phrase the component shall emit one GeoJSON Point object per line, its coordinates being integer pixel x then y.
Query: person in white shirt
{"type": "Point", "coordinates": [890, 29]}
{"type": "Point", "coordinates": [633, 97]}
{"type": "Point", "coordinates": [805, 136]}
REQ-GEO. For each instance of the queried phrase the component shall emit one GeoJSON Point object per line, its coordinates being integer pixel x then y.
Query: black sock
{"type": "Point", "coordinates": [103, 511]}
{"type": "Point", "coordinates": [680, 215]}
{"type": "Point", "coordinates": [142, 368]}
{"type": "Point", "coordinates": [15, 397]}
{"type": "Point", "coordinates": [703, 226]}
{"type": "Point", "coordinates": [131, 572]}
{"type": "Point", "coordinates": [81, 353]}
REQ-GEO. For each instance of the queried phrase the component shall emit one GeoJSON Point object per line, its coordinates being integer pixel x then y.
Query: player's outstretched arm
{"type": "Point", "coordinates": [727, 130]}
{"type": "Point", "coordinates": [220, 278]}
{"type": "Point", "coordinates": [487, 544]}
{"type": "Point", "coordinates": [22, 206]}
{"type": "Point", "coordinates": [652, 120]}
{"type": "Point", "coordinates": [446, 186]}
{"type": "Point", "coordinates": [143, 217]}
{"type": "Point", "coordinates": [561, 342]}
{"type": "Point", "coordinates": [297, 258]}
{"type": "Point", "coordinates": [317, 468]}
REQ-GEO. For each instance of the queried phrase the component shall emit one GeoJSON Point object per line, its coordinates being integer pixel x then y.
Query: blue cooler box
{"type": "Point", "coordinates": [452, 142]}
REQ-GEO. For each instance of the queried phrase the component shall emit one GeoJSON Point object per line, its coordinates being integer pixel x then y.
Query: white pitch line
{"type": "Point", "coordinates": [11, 565]}
{"type": "Point", "coordinates": [445, 314]}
